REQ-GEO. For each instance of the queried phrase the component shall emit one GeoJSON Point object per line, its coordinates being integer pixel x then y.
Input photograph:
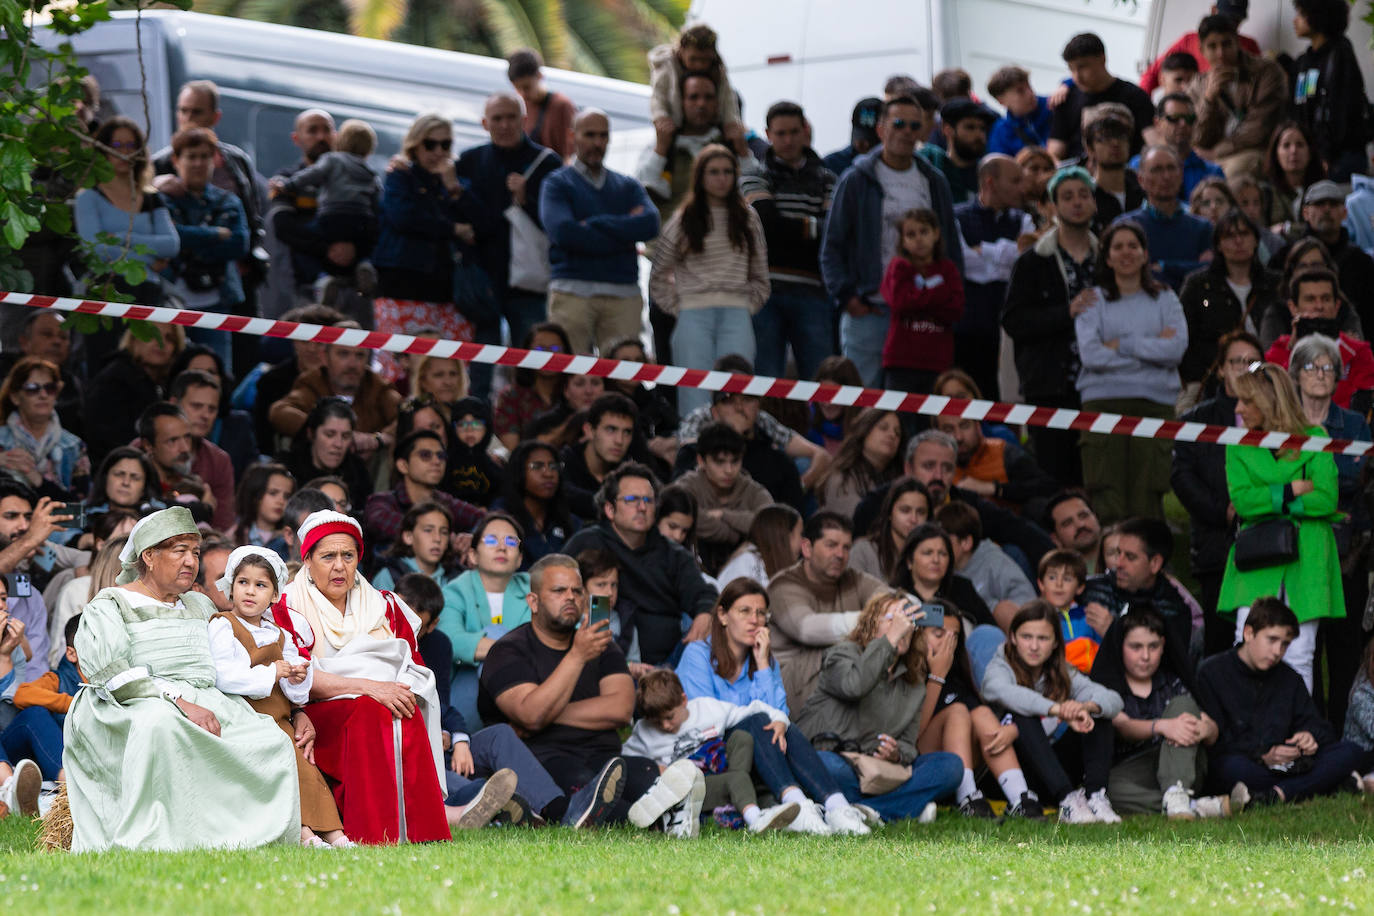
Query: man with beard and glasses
{"type": "Point", "coordinates": [1049, 287]}
{"type": "Point", "coordinates": [26, 521]}
{"type": "Point", "coordinates": [165, 436]}
{"type": "Point", "coordinates": [992, 232]}
{"type": "Point", "coordinates": [291, 214]}
{"type": "Point", "coordinates": [1324, 213]}
{"type": "Point", "coordinates": [965, 125]}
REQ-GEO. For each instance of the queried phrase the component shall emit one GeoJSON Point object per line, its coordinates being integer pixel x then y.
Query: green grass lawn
{"type": "Point", "coordinates": [1317, 857]}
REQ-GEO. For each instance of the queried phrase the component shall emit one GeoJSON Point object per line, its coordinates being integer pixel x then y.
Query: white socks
{"type": "Point", "coordinates": [836, 801]}
{"type": "Point", "coordinates": [794, 795]}
{"type": "Point", "coordinates": [751, 815]}
{"type": "Point", "coordinates": [1013, 783]}
{"type": "Point", "coordinates": [968, 786]}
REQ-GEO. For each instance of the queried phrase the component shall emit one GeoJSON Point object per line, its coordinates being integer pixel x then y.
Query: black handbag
{"type": "Point", "coordinates": [1273, 542]}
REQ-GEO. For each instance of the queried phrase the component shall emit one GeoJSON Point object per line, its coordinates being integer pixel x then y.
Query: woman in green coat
{"type": "Point", "coordinates": [483, 604]}
{"type": "Point", "coordinates": [1269, 483]}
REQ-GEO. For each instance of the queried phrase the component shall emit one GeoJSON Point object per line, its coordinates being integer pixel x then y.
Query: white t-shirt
{"type": "Point", "coordinates": [902, 191]}
{"type": "Point", "coordinates": [496, 603]}
{"type": "Point", "coordinates": [1242, 291]}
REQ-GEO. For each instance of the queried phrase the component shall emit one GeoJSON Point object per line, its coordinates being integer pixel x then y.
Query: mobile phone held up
{"type": "Point", "coordinates": [930, 615]}
{"type": "Point", "coordinates": [600, 610]}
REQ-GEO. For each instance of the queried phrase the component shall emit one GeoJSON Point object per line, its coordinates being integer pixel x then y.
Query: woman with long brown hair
{"type": "Point", "coordinates": [774, 543]}
{"type": "Point", "coordinates": [1292, 165]}
{"type": "Point", "coordinates": [710, 270]}
{"type": "Point", "coordinates": [906, 505]}
{"type": "Point", "coordinates": [1030, 678]}
{"type": "Point", "coordinates": [870, 457]}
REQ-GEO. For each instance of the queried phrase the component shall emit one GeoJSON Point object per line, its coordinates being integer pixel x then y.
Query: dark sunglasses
{"type": "Point", "coordinates": [1181, 119]}
{"type": "Point", "coordinates": [425, 454]}
{"type": "Point", "coordinates": [35, 387]}
{"type": "Point", "coordinates": [431, 145]}
{"type": "Point", "coordinates": [903, 123]}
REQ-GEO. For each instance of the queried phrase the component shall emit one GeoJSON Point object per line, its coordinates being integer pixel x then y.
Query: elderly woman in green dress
{"type": "Point", "coordinates": [156, 757]}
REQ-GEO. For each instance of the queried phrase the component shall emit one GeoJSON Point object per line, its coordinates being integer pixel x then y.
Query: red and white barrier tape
{"type": "Point", "coordinates": [676, 376]}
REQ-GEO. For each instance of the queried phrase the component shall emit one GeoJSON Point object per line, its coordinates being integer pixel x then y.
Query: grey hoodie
{"type": "Point", "coordinates": [1000, 689]}
{"type": "Point", "coordinates": [346, 183]}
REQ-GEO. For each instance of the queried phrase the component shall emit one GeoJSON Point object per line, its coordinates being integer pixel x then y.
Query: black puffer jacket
{"type": "Point", "coordinates": [1212, 309]}
{"type": "Point", "coordinates": [1198, 477]}
{"type": "Point", "coordinates": [1036, 317]}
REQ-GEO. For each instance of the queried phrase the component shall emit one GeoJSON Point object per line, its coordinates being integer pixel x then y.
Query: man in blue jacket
{"type": "Point", "coordinates": [506, 172]}
{"type": "Point", "coordinates": [594, 217]}
{"type": "Point", "coordinates": [864, 225]}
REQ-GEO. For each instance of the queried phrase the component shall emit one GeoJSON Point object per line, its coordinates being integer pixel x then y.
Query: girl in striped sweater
{"type": "Point", "coordinates": [710, 270]}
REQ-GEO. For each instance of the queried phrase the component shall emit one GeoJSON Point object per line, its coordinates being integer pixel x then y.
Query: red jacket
{"type": "Point", "coordinates": [1357, 360]}
{"type": "Point", "coordinates": [924, 308]}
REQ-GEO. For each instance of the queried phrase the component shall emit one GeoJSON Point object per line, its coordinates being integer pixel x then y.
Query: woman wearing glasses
{"type": "Point", "coordinates": [1265, 484]}
{"type": "Point", "coordinates": [1314, 366]}
{"type": "Point", "coordinates": [483, 604]}
{"type": "Point", "coordinates": [427, 220]}
{"type": "Point", "coordinates": [535, 498]}
{"type": "Point", "coordinates": [1199, 481]}
{"type": "Point", "coordinates": [33, 444]}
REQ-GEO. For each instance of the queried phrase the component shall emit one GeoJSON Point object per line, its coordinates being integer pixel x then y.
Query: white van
{"type": "Point", "coordinates": [828, 54]}
{"type": "Point", "coordinates": [267, 74]}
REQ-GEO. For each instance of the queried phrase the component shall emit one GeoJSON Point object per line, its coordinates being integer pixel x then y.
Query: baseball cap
{"type": "Point", "coordinates": [865, 119]}
{"type": "Point", "coordinates": [1325, 189]}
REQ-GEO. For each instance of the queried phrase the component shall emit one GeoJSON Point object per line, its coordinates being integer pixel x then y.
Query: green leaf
{"type": "Point", "coordinates": [57, 217]}
{"type": "Point", "coordinates": [16, 167]}
{"type": "Point", "coordinates": [18, 224]}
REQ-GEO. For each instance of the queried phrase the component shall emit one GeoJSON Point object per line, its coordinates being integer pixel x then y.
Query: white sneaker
{"type": "Point", "coordinates": [1178, 803]}
{"type": "Point", "coordinates": [684, 821]}
{"type": "Point", "coordinates": [775, 818]}
{"type": "Point", "coordinates": [1101, 807]}
{"type": "Point", "coordinates": [871, 817]}
{"type": "Point", "coordinates": [810, 819]}
{"type": "Point", "coordinates": [26, 783]}
{"type": "Point", "coordinates": [928, 813]}
{"type": "Point", "coordinates": [844, 820]}
{"type": "Point", "coordinates": [1212, 806]}
{"type": "Point", "coordinates": [1074, 809]}
{"type": "Point", "coordinates": [672, 786]}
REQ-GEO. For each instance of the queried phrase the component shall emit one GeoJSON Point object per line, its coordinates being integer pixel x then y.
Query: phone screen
{"type": "Point", "coordinates": [930, 615]}
{"type": "Point", "coordinates": [600, 609]}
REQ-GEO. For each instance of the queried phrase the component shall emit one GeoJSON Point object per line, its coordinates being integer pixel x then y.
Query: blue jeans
{"type": "Point", "coordinates": [800, 766]}
{"type": "Point", "coordinates": [862, 339]}
{"type": "Point", "coordinates": [800, 317]}
{"type": "Point", "coordinates": [34, 734]}
{"type": "Point", "coordinates": [933, 776]}
{"type": "Point", "coordinates": [982, 646]}
{"type": "Point", "coordinates": [704, 335]}
{"type": "Point", "coordinates": [462, 694]}
{"type": "Point", "coordinates": [496, 748]}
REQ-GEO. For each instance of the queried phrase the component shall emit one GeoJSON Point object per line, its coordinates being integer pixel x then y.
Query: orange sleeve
{"type": "Point", "coordinates": [42, 692]}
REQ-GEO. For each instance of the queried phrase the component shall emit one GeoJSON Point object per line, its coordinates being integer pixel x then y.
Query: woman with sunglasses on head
{"type": "Point", "coordinates": [534, 391]}
{"type": "Point", "coordinates": [427, 215]}
{"type": "Point", "coordinates": [483, 604]}
{"type": "Point", "coordinates": [534, 497]}
{"type": "Point", "coordinates": [1302, 487]}
{"type": "Point", "coordinates": [33, 444]}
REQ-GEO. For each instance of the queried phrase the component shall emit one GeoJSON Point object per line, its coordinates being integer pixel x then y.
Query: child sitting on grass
{"type": "Point", "coordinates": [672, 727]}
{"type": "Point", "coordinates": [254, 659]}
{"type": "Point", "coordinates": [1272, 738]}
{"type": "Point", "coordinates": [727, 497]}
{"type": "Point", "coordinates": [35, 735]}
{"type": "Point", "coordinates": [1061, 577]}
{"type": "Point", "coordinates": [1063, 719]}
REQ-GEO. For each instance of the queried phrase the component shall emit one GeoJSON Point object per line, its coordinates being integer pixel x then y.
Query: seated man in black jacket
{"type": "Point", "coordinates": [1272, 738]}
{"type": "Point", "coordinates": [1136, 576]}
{"type": "Point", "coordinates": [658, 576]}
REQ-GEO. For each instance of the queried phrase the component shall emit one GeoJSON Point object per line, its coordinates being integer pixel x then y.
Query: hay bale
{"type": "Point", "coordinates": [57, 824]}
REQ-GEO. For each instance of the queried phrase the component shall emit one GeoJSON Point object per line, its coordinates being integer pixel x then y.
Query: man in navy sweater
{"type": "Point", "coordinates": [1179, 242]}
{"type": "Point", "coordinates": [497, 172]}
{"type": "Point", "coordinates": [594, 217]}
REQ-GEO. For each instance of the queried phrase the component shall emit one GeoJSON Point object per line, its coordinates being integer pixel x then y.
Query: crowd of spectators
{"type": "Point", "coordinates": [458, 597]}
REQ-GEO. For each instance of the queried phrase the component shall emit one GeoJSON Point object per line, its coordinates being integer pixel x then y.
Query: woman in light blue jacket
{"type": "Point", "coordinates": [483, 604]}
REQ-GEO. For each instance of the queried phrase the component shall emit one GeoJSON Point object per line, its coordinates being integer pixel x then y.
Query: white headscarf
{"type": "Point", "coordinates": [240, 554]}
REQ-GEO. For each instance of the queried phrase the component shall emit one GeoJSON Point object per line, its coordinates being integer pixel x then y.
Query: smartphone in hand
{"type": "Point", "coordinates": [600, 609]}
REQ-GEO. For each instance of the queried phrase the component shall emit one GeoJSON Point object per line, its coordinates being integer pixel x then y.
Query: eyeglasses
{"type": "Point", "coordinates": [630, 499]}
{"type": "Point", "coordinates": [540, 467]}
{"type": "Point", "coordinates": [471, 424]}
{"type": "Point", "coordinates": [1323, 369]}
{"type": "Point", "coordinates": [1181, 118]}
{"type": "Point", "coordinates": [35, 387]}
{"type": "Point", "coordinates": [551, 348]}
{"type": "Point", "coordinates": [492, 540]}
{"type": "Point", "coordinates": [427, 454]}
{"type": "Point", "coordinates": [122, 144]}
{"type": "Point", "coordinates": [431, 145]}
{"type": "Point", "coordinates": [903, 124]}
